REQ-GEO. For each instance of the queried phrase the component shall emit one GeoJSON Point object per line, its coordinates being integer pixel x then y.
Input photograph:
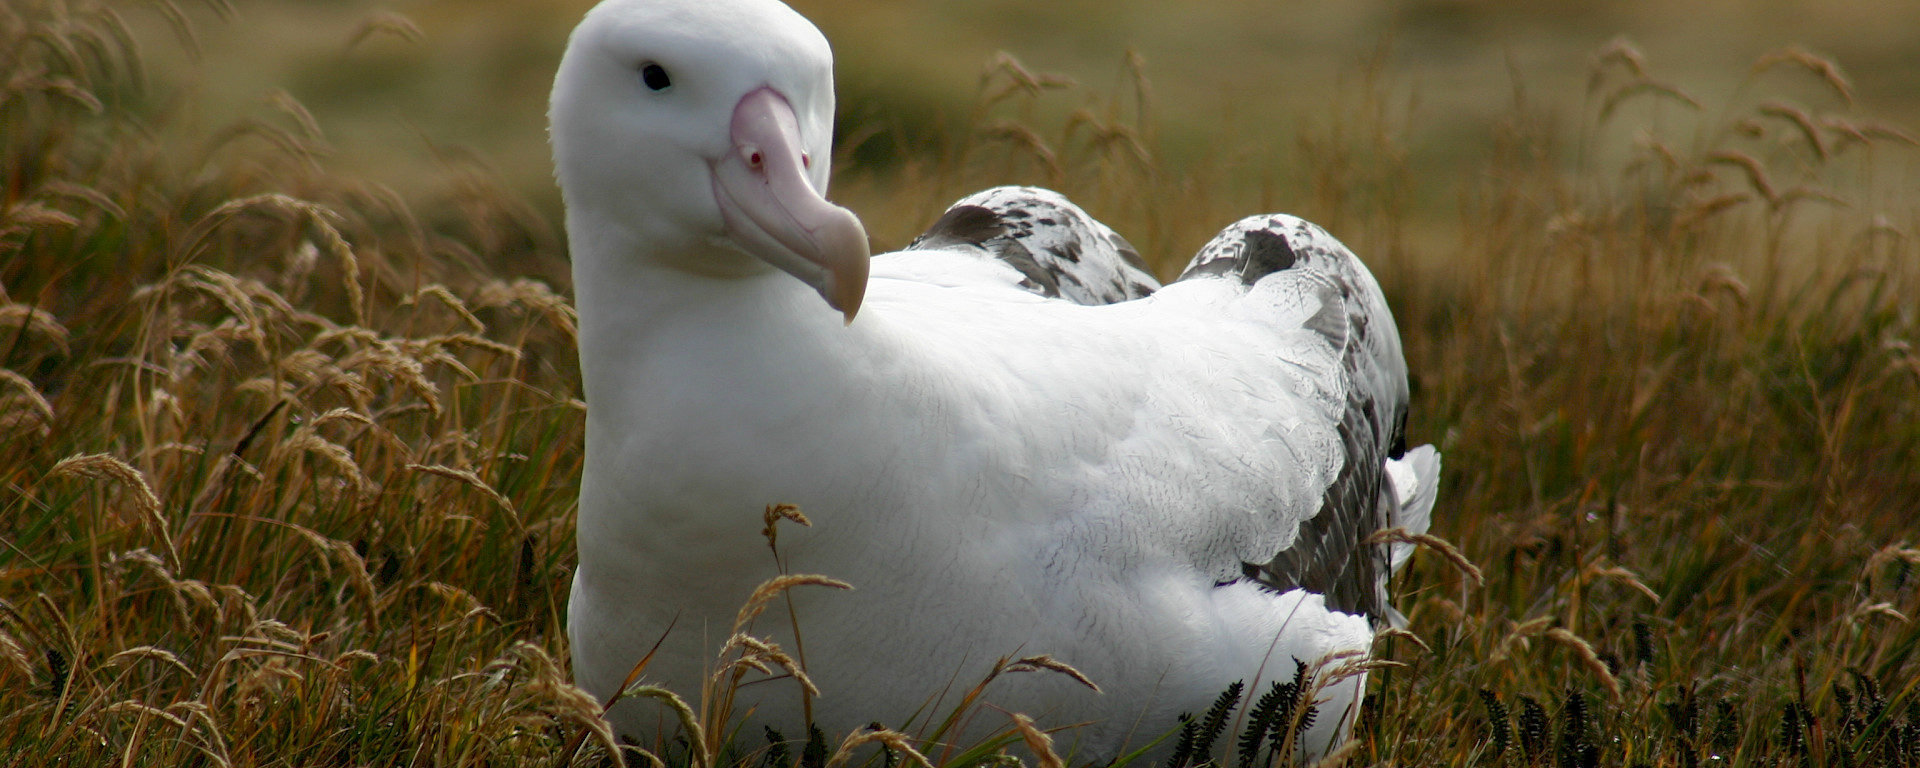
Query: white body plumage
{"type": "Point", "coordinates": [996, 472]}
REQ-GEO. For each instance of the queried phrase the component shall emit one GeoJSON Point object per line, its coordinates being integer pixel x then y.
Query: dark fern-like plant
{"type": "Point", "coordinates": [1260, 720]}
{"type": "Point", "coordinates": [1683, 713]}
{"type": "Point", "coordinates": [1726, 728]}
{"type": "Point", "coordinates": [887, 757]}
{"type": "Point", "coordinates": [814, 754]}
{"type": "Point", "coordinates": [1577, 749]}
{"type": "Point", "coordinates": [1276, 717]}
{"type": "Point", "coordinates": [1793, 733]}
{"type": "Point", "coordinates": [1216, 722]}
{"type": "Point", "coordinates": [1643, 649]}
{"type": "Point", "coordinates": [1195, 747]}
{"type": "Point", "coordinates": [1905, 745]}
{"type": "Point", "coordinates": [1501, 735]}
{"type": "Point", "coordinates": [778, 756]}
{"type": "Point", "coordinates": [1183, 747]}
{"type": "Point", "coordinates": [1299, 713]}
{"type": "Point", "coordinates": [1533, 729]}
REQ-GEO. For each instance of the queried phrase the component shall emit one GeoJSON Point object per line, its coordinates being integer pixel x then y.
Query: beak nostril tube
{"type": "Point", "coordinates": [772, 211]}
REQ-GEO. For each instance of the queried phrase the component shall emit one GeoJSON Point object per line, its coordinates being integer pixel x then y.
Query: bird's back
{"type": "Point", "coordinates": [1169, 488]}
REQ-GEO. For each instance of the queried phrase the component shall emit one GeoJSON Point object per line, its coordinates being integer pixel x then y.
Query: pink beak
{"type": "Point", "coordinates": [773, 212]}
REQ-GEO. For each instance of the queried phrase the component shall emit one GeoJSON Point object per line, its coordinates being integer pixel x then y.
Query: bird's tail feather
{"type": "Point", "coordinates": [1416, 482]}
{"type": "Point", "coordinates": [1415, 478]}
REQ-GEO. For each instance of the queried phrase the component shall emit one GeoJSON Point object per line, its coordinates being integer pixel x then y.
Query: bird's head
{"type": "Point", "coordinates": [702, 130]}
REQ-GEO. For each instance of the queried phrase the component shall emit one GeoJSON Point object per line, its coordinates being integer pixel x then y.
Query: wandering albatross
{"type": "Point", "coordinates": [1010, 438]}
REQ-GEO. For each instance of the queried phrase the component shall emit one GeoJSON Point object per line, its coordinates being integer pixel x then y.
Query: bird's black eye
{"type": "Point", "coordinates": [655, 76]}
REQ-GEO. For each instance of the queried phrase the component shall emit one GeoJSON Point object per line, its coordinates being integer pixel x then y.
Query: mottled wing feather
{"type": "Point", "coordinates": [1059, 251]}
{"type": "Point", "coordinates": [1330, 554]}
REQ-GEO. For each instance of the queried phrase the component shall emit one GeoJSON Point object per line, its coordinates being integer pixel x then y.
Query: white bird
{"type": "Point", "coordinates": [1011, 440]}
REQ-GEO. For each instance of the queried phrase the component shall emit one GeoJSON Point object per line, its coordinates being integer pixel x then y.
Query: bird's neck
{"type": "Point", "coordinates": [637, 306]}
{"type": "Point", "coordinates": [708, 398]}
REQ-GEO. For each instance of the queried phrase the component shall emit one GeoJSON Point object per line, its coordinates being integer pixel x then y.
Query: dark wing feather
{"type": "Point", "coordinates": [1059, 250]}
{"type": "Point", "coordinates": [1330, 555]}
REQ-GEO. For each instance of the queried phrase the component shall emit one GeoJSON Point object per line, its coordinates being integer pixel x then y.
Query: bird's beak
{"type": "Point", "coordinates": [772, 212]}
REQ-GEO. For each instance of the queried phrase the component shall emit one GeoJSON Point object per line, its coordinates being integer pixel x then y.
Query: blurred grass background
{"type": "Point", "coordinates": [1232, 80]}
{"type": "Point", "coordinates": [289, 423]}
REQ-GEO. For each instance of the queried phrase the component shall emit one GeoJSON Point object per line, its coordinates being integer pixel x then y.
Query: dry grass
{"type": "Point", "coordinates": [237, 390]}
{"type": "Point", "coordinates": [287, 463]}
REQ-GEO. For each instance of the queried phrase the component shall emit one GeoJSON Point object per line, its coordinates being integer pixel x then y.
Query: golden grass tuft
{"type": "Point", "coordinates": [890, 738]}
{"type": "Point", "coordinates": [26, 319]}
{"type": "Point", "coordinates": [15, 655]}
{"type": "Point", "coordinates": [244, 348]}
{"type": "Point", "coordinates": [1037, 741]}
{"type": "Point", "coordinates": [22, 407]}
{"type": "Point", "coordinates": [775, 587]}
{"type": "Point", "coordinates": [1588, 657]}
{"type": "Point", "coordinates": [1340, 756]}
{"type": "Point", "coordinates": [468, 478]}
{"type": "Point", "coordinates": [1048, 663]}
{"type": "Point", "coordinates": [1821, 67]}
{"type": "Point", "coordinates": [1429, 541]}
{"type": "Point", "coordinates": [750, 652]}
{"type": "Point", "coordinates": [100, 466]}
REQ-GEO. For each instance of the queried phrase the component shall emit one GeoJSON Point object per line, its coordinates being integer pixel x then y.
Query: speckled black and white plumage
{"type": "Point", "coordinates": [1058, 250]}
{"type": "Point", "coordinates": [1061, 252]}
{"type": "Point", "coordinates": [1330, 557]}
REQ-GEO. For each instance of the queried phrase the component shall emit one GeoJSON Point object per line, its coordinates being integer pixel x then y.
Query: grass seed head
{"type": "Point", "coordinates": [899, 742]}
{"type": "Point", "coordinates": [27, 318]}
{"type": "Point", "coordinates": [387, 23]}
{"type": "Point", "coordinates": [15, 656]}
{"type": "Point", "coordinates": [148, 653]}
{"type": "Point", "coordinates": [306, 441]}
{"type": "Point", "coordinates": [1038, 742]}
{"type": "Point", "coordinates": [1045, 662]}
{"type": "Point", "coordinates": [756, 654]}
{"type": "Point", "coordinates": [1434, 543]}
{"type": "Point", "coordinates": [1822, 67]}
{"type": "Point", "coordinates": [1620, 51]}
{"type": "Point", "coordinates": [1589, 659]}
{"type": "Point", "coordinates": [22, 407]}
{"type": "Point", "coordinates": [101, 466]}
{"type": "Point", "coordinates": [468, 478]}
{"type": "Point", "coordinates": [1647, 87]}
{"type": "Point", "coordinates": [531, 295]}
{"type": "Point", "coordinates": [1341, 755]}
{"type": "Point", "coordinates": [23, 219]}
{"type": "Point", "coordinates": [1754, 170]}
{"type": "Point", "coordinates": [1880, 609]}
{"type": "Point", "coordinates": [1395, 632]}
{"type": "Point", "coordinates": [774, 587]}
{"type": "Point", "coordinates": [1623, 576]}
{"type": "Point", "coordinates": [144, 710]}
{"type": "Point", "coordinates": [689, 722]}
{"type": "Point", "coordinates": [1800, 120]}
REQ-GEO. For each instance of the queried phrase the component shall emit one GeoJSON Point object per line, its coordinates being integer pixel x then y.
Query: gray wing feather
{"type": "Point", "coordinates": [1059, 250]}
{"type": "Point", "coordinates": [1331, 554]}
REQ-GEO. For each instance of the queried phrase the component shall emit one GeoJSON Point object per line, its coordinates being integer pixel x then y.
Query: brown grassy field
{"type": "Point", "coordinates": [288, 450]}
{"type": "Point", "coordinates": [1235, 81]}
